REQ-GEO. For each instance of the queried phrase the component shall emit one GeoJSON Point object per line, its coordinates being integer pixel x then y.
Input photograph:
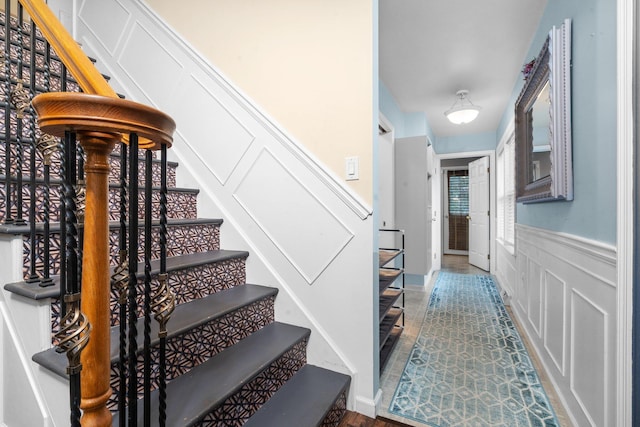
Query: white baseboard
{"type": "Point", "coordinates": [367, 406]}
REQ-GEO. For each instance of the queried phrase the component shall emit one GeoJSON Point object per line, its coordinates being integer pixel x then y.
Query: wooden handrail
{"type": "Point", "coordinates": [70, 53]}
{"type": "Point", "coordinates": [100, 119]}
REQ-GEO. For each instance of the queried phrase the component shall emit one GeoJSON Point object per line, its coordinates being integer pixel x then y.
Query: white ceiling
{"type": "Point", "coordinates": [429, 49]}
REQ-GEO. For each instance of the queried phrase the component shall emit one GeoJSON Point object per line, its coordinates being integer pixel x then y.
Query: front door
{"type": "Point", "coordinates": [479, 213]}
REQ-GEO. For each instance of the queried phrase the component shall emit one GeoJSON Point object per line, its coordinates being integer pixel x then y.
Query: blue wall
{"type": "Point", "coordinates": [404, 124]}
{"type": "Point", "coordinates": [465, 143]}
{"type": "Point", "coordinates": [592, 213]}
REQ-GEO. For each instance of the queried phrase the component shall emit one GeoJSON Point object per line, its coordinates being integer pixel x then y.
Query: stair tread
{"type": "Point", "coordinates": [185, 317]}
{"type": "Point", "coordinates": [197, 392]}
{"type": "Point", "coordinates": [302, 401]}
{"type": "Point", "coordinates": [179, 262]}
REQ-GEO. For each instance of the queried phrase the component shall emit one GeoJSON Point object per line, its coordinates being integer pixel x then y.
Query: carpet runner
{"type": "Point", "coordinates": [469, 366]}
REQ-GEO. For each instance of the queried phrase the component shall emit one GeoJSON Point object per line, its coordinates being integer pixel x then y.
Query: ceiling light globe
{"type": "Point", "coordinates": [462, 115]}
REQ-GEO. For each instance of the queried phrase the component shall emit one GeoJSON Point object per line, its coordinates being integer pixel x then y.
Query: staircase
{"type": "Point", "coordinates": [228, 363]}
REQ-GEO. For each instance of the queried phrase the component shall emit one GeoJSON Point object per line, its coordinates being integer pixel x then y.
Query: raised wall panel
{"type": "Point", "coordinates": [521, 282]}
{"type": "Point", "coordinates": [149, 64]}
{"type": "Point", "coordinates": [107, 30]}
{"type": "Point", "coordinates": [554, 319]}
{"type": "Point", "coordinates": [301, 227]}
{"type": "Point", "coordinates": [534, 302]}
{"type": "Point", "coordinates": [589, 357]}
{"type": "Point", "coordinates": [227, 139]}
{"type": "Point", "coordinates": [577, 337]}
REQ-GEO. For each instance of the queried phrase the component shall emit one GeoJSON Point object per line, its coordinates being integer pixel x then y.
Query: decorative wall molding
{"type": "Point", "coordinates": [565, 297]}
{"type": "Point", "coordinates": [627, 173]}
{"type": "Point", "coordinates": [299, 222]}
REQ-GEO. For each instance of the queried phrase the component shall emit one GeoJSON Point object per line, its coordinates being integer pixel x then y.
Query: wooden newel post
{"type": "Point", "coordinates": [99, 122]}
{"type": "Point", "coordinates": [95, 358]}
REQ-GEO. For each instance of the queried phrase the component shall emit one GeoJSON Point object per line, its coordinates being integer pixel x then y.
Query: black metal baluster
{"type": "Point", "coordinates": [8, 219]}
{"type": "Point", "coordinates": [164, 300]}
{"type": "Point", "coordinates": [148, 194]}
{"type": "Point", "coordinates": [74, 328]}
{"type": "Point", "coordinates": [33, 275]}
{"type": "Point", "coordinates": [63, 221]}
{"type": "Point", "coordinates": [120, 280]}
{"type": "Point", "coordinates": [132, 291]}
{"type": "Point", "coordinates": [47, 145]}
{"type": "Point", "coordinates": [81, 196]}
{"type": "Point", "coordinates": [21, 102]}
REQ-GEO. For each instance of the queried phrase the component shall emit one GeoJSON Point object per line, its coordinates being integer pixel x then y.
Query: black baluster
{"type": "Point", "coordinates": [47, 145]}
{"type": "Point", "coordinates": [120, 279]}
{"type": "Point", "coordinates": [133, 268]}
{"type": "Point", "coordinates": [164, 300]}
{"type": "Point", "coordinates": [74, 327]}
{"type": "Point", "coordinates": [8, 219]}
{"type": "Point", "coordinates": [19, 101]}
{"type": "Point", "coordinates": [33, 275]}
{"type": "Point", "coordinates": [148, 194]}
{"type": "Point", "coordinates": [63, 221]}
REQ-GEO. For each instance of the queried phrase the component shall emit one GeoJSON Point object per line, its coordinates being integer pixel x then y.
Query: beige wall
{"type": "Point", "coordinates": [308, 64]}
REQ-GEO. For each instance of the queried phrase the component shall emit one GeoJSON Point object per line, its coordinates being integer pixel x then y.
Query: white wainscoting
{"type": "Point", "coordinates": [307, 233]}
{"type": "Point", "coordinates": [564, 295]}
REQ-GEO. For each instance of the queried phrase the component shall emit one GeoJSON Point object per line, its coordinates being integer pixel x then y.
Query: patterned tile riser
{"type": "Point", "coordinates": [179, 204]}
{"type": "Point", "coordinates": [239, 407]}
{"type": "Point", "coordinates": [181, 240]}
{"type": "Point", "coordinates": [337, 411]}
{"type": "Point", "coordinates": [187, 285]}
{"type": "Point", "coordinates": [54, 172]}
{"type": "Point", "coordinates": [198, 345]}
{"type": "Point", "coordinates": [114, 173]}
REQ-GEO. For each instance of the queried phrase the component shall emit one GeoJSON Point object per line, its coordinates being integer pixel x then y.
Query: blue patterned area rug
{"type": "Point", "coordinates": [469, 366]}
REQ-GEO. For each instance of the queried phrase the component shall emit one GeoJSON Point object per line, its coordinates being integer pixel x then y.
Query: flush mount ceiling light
{"type": "Point", "coordinates": [463, 110]}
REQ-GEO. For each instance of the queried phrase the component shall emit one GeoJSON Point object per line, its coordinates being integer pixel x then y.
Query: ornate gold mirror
{"type": "Point", "coordinates": [543, 124]}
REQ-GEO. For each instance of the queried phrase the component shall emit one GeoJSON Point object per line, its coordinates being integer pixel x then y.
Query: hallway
{"type": "Point", "coordinates": [416, 302]}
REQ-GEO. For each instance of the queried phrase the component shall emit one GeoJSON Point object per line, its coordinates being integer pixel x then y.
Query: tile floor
{"type": "Point", "coordinates": [416, 300]}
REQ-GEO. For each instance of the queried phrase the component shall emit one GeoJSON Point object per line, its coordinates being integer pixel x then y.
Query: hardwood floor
{"type": "Point", "coordinates": [353, 419]}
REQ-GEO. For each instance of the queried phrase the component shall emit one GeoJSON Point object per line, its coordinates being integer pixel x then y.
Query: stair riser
{"type": "Point", "coordinates": [187, 285]}
{"type": "Point", "coordinates": [237, 409]}
{"type": "Point", "coordinates": [180, 204]}
{"type": "Point", "coordinates": [54, 169]}
{"type": "Point", "coordinates": [337, 411]}
{"type": "Point", "coordinates": [181, 240]}
{"type": "Point", "coordinates": [198, 345]}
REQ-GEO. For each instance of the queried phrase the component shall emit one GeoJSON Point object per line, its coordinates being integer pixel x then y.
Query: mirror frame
{"type": "Point", "coordinates": [553, 64]}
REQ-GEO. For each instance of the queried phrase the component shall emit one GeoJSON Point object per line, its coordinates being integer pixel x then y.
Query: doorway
{"type": "Point", "coordinates": [456, 210]}
{"type": "Point", "coordinates": [460, 161]}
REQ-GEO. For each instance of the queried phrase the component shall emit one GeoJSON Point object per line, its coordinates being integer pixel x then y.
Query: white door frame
{"type": "Point", "coordinates": [437, 196]}
{"type": "Point", "coordinates": [445, 211]}
{"type": "Point", "coordinates": [626, 34]}
{"type": "Point", "coordinates": [386, 239]}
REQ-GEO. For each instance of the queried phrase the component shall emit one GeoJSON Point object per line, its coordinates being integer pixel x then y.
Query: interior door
{"type": "Point", "coordinates": [479, 213]}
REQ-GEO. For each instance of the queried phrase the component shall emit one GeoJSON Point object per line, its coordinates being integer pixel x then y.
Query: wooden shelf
{"type": "Point", "coordinates": [387, 299]}
{"type": "Point", "coordinates": [387, 276]}
{"type": "Point", "coordinates": [388, 323]}
{"type": "Point", "coordinates": [389, 345]}
{"type": "Point", "coordinates": [387, 255]}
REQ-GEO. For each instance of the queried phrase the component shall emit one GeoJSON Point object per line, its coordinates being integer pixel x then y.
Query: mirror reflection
{"type": "Point", "coordinates": [541, 134]}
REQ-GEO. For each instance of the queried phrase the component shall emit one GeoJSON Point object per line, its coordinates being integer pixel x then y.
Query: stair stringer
{"type": "Point", "coordinates": [308, 234]}
{"type": "Point", "coordinates": [25, 328]}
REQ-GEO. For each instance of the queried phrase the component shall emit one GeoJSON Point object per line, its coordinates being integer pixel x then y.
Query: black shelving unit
{"type": "Point", "coordinates": [391, 288]}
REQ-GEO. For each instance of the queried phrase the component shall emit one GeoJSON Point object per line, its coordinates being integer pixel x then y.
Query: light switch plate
{"type": "Point", "coordinates": [352, 168]}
